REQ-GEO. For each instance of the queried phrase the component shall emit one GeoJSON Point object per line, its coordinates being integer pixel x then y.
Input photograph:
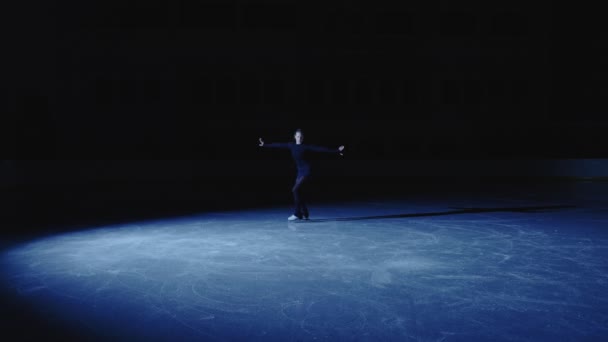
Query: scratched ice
{"type": "Point", "coordinates": [448, 270]}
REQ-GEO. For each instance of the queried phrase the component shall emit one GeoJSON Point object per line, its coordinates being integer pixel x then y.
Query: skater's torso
{"type": "Point", "coordinates": [299, 152]}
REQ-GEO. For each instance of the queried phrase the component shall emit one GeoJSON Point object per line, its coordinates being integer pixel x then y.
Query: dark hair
{"type": "Point", "coordinates": [298, 130]}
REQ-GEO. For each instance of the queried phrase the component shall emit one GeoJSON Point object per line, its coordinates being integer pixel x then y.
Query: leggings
{"type": "Point", "coordinates": [300, 204]}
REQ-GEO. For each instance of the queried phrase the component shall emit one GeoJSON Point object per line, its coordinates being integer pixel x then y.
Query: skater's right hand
{"type": "Point", "coordinates": [261, 142]}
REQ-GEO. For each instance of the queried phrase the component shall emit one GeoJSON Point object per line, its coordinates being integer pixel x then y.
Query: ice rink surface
{"type": "Point", "coordinates": [519, 265]}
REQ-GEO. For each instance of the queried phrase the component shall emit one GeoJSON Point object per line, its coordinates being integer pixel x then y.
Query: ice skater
{"type": "Point", "coordinates": [299, 154]}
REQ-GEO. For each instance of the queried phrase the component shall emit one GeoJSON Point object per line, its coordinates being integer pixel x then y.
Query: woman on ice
{"type": "Point", "coordinates": [299, 154]}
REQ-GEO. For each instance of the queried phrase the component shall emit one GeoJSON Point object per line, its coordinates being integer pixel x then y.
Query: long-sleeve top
{"type": "Point", "coordinates": [299, 154]}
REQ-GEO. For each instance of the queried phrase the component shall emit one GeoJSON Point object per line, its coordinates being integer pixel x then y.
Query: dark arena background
{"type": "Point", "coordinates": [469, 204]}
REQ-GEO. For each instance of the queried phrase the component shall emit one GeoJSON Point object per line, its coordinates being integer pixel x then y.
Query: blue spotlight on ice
{"type": "Point", "coordinates": [489, 276]}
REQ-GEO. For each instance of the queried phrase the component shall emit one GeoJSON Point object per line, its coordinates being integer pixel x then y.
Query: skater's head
{"type": "Point", "coordinates": [298, 136]}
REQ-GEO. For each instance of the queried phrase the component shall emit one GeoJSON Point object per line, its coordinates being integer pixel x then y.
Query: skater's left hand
{"type": "Point", "coordinates": [341, 148]}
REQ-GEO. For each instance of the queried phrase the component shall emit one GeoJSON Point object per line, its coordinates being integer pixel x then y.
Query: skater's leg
{"type": "Point", "coordinates": [300, 207]}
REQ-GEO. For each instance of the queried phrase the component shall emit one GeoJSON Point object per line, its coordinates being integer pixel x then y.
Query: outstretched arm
{"type": "Point", "coordinates": [325, 149]}
{"type": "Point", "coordinates": [276, 145]}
